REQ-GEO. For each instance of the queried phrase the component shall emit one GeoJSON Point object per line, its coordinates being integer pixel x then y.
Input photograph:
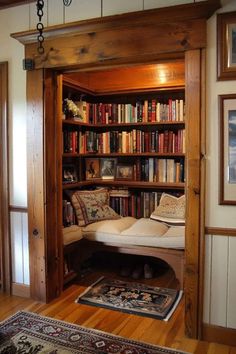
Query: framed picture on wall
{"type": "Point", "coordinates": [227, 109]}
{"type": "Point", "coordinates": [226, 46]}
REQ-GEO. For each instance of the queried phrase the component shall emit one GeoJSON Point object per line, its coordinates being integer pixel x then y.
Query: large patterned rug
{"type": "Point", "coordinates": [130, 297]}
{"type": "Point", "coordinates": [29, 333]}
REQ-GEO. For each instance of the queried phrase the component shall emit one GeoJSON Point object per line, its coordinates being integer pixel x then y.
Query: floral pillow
{"type": "Point", "coordinates": [171, 210]}
{"type": "Point", "coordinates": [92, 206]}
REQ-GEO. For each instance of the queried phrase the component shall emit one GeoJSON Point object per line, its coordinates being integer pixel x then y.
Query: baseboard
{"type": "Point", "coordinates": [222, 335]}
{"type": "Point", "coordinates": [20, 290]}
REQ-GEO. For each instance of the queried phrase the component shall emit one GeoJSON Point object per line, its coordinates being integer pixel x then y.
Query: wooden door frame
{"type": "Point", "coordinates": [63, 51]}
{"type": "Point", "coordinates": [5, 269]}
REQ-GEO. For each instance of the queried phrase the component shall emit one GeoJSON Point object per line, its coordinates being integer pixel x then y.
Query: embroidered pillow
{"type": "Point", "coordinates": [92, 206]}
{"type": "Point", "coordinates": [171, 210]}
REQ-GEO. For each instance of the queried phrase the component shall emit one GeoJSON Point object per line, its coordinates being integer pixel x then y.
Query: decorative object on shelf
{"type": "Point", "coordinates": [108, 168]}
{"type": "Point", "coordinates": [69, 174]}
{"type": "Point", "coordinates": [227, 109]}
{"type": "Point", "coordinates": [40, 26]}
{"type": "Point", "coordinates": [124, 172]}
{"type": "Point", "coordinates": [71, 110]}
{"type": "Point", "coordinates": [92, 168]}
{"type": "Point", "coordinates": [226, 46]}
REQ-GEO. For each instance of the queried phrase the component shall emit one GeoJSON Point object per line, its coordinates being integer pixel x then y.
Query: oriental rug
{"type": "Point", "coordinates": [136, 298]}
{"type": "Point", "coordinates": [26, 332]}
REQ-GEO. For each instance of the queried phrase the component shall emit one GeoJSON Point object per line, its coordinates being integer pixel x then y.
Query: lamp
{"type": "Point", "coordinates": [40, 26]}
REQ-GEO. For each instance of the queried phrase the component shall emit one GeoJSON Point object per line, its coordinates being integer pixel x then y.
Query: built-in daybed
{"type": "Point", "coordinates": [131, 236]}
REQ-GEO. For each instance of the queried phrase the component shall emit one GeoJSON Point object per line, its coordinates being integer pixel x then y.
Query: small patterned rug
{"type": "Point", "coordinates": [135, 298]}
{"type": "Point", "coordinates": [29, 333]}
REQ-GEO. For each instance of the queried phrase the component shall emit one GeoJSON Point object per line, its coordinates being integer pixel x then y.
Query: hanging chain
{"type": "Point", "coordinates": [67, 2]}
{"type": "Point", "coordinates": [40, 26]}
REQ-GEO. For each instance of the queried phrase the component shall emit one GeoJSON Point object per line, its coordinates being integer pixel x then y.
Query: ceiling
{"type": "Point", "coordinates": [9, 3]}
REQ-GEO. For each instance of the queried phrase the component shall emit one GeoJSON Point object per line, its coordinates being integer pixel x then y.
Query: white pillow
{"type": "Point", "coordinates": [171, 210]}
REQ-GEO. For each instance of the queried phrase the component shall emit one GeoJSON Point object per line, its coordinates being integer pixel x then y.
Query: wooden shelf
{"type": "Point", "coordinates": [117, 154]}
{"type": "Point", "coordinates": [122, 125]}
{"type": "Point", "coordinates": [129, 184]}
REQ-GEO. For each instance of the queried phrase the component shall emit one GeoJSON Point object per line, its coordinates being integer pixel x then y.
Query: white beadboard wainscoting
{"type": "Point", "coordinates": [220, 281]}
{"type": "Point", "coordinates": [19, 247]}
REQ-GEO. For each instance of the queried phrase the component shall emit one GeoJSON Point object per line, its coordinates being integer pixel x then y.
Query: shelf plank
{"type": "Point", "coordinates": [119, 125]}
{"type": "Point", "coordinates": [118, 154]}
{"type": "Point", "coordinates": [129, 184]}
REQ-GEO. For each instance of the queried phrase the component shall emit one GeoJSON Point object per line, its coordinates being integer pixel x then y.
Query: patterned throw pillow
{"type": "Point", "coordinates": [171, 210]}
{"type": "Point", "coordinates": [92, 206]}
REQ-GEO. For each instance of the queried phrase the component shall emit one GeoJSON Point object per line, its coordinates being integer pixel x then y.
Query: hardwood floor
{"type": "Point", "coordinates": [169, 334]}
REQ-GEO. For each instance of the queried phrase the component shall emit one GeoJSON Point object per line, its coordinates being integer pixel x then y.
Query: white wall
{"type": "Point", "coordinates": [219, 257]}
{"type": "Point", "coordinates": [220, 284]}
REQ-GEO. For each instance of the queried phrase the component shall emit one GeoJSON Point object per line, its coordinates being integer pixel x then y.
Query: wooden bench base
{"type": "Point", "coordinates": [173, 257]}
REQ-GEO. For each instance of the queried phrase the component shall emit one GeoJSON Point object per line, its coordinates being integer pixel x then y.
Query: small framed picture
{"type": "Point", "coordinates": [108, 168]}
{"type": "Point", "coordinates": [92, 166]}
{"type": "Point", "coordinates": [227, 109]}
{"type": "Point", "coordinates": [69, 174]}
{"type": "Point", "coordinates": [226, 46]}
{"type": "Point", "coordinates": [124, 172]}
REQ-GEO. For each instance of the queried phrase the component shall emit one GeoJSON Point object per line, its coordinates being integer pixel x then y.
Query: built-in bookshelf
{"type": "Point", "coordinates": [143, 140]}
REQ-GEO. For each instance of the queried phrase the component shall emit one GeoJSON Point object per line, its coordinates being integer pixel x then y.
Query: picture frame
{"type": "Point", "coordinates": [108, 168]}
{"type": "Point", "coordinates": [124, 172]}
{"type": "Point", "coordinates": [226, 46]}
{"type": "Point", "coordinates": [69, 174]}
{"type": "Point", "coordinates": [227, 110]}
{"type": "Point", "coordinates": [92, 168]}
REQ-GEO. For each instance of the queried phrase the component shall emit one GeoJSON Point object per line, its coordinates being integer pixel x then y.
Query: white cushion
{"type": "Point", "coordinates": [71, 234]}
{"type": "Point", "coordinates": [146, 227]}
{"type": "Point", "coordinates": [114, 227]}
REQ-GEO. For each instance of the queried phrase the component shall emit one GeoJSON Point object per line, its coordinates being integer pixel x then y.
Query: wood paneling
{"type": "Point", "coordinates": [131, 78]}
{"type": "Point", "coordinates": [220, 231]}
{"type": "Point", "coordinates": [9, 3]}
{"type": "Point", "coordinates": [193, 191]}
{"type": "Point", "coordinates": [5, 275]}
{"type": "Point", "coordinates": [221, 335]}
{"type": "Point", "coordinates": [116, 39]}
{"type": "Point", "coordinates": [36, 191]}
{"type": "Point", "coordinates": [231, 291]}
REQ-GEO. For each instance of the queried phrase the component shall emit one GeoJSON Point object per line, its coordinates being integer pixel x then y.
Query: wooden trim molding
{"type": "Point", "coordinates": [220, 231]}
{"type": "Point", "coordinates": [22, 290]}
{"type": "Point", "coordinates": [18, 209]}
{"type": "Point", "coordinates": [219, 334]}
{"type": "Point", "coordinates": [5, 274]}
{"type": "Point", "coordinates": [120, 36]}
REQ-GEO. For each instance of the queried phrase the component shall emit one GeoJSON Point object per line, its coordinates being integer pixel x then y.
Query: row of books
{"type": "Point", "coordinates": [159, 170]}
{"type": "Point", "coordinates": [134, 141]}
{"type": "Point", "coordinates": [124, 202]}
{"type": "Point", "coordinates": [140, 111]}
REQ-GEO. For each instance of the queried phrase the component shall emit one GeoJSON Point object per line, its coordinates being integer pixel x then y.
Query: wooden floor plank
{"type": "Point", "coordinates": [169, 334]}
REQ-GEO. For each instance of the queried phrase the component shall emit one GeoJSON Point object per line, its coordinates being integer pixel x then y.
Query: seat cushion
{"type": "Point", "coordinates": [71, 234]}
{"type": "Point", "coordinates": [110, 227]}
{"type": "Point", "coordinates": [145, 227]}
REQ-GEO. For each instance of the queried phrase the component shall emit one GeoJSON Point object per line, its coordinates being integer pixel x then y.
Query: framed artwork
{"type": "Point", "coordinates": [92, 166]}
{"type": "Point", "coordinates": [226, 46]}
{"type": "Point", "coordinates": [227, 109]}
{"type": "Point", "coordinates": [124, 172]}
{"type": "Point", "coordinates": [69, 174]}
{"type": "Point", "coordinates": [108, 166]}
